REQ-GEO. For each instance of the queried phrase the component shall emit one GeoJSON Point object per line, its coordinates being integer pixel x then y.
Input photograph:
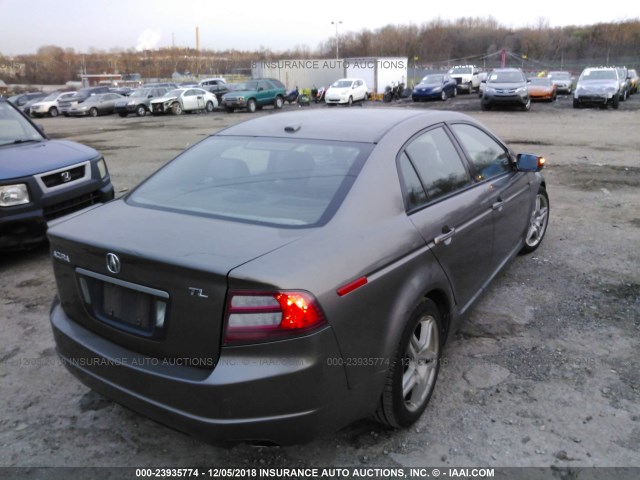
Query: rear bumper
{"type": "Point", "coordinates": [282, 392]}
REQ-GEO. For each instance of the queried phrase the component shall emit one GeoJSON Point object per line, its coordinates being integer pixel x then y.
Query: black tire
{"type": "Point", "coordinates": [484, 106]}
{"type": "Point", "coordinates": [251, 106]}
{"type": "Point", "coordinates": [93, 112]}
{"type": "Point", "coordinates": [443, 95]}
{"type": "Point", "coordinates": [527, 106]}
{"type": "Point", "coordinates": [615, 103]}
{"type": "Point", "coordinates": [455, 92]}
{"type": "Point", "coordinates": [230, 109]}
{"type": "Point", "coordinates": [470, 85]}
{"type": "Point", "coordinates": [350, 101]}
{"type": "Point", "coordinates": [400, 406]}
{"type": "Point", "coordinates": [209, 107]}
{"type": "Point", "coordinates": [278, 102]}
{"type": "Point", "coordinates": [576, 103]}
{"type": "Point", "coordinates": [122, 114]}
{"type": "Point", "coordinates": [141, 111]}
{"type": "Point", "coordinates": [176, 109]}
{"type": "Point", "coordinates": [53, 112]}
{"type": "Point", "coordinates": [537, 223]}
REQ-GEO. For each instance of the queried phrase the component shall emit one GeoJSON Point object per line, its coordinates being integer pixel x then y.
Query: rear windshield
{"type": "Point", "coordinates": [280, 182]}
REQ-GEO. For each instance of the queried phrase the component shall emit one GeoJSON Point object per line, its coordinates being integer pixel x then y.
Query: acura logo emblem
{"type": "Point", "coordinates": [113, 263]}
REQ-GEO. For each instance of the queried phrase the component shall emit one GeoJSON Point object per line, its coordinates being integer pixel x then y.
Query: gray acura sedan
{"type": "Point", "coordinates": [293, 273]}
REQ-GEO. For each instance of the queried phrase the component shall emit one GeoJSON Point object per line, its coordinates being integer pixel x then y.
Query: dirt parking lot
{"type": "Point", "coordinates": [545, 371]}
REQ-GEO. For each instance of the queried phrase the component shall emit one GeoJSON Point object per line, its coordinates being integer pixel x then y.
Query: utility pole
{"type": "Point", "coordinates": [336, 23]}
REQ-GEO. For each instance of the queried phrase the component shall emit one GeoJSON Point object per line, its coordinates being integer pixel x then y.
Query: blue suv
{"type": "Point", "coordinates": [42, 179]}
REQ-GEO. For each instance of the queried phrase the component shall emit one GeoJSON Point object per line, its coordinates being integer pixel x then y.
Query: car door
{"type": "Point", "coordinates": [493, 165]}
{"type": "Point", "coordinates": [189, 100]}
{"type": "Point", "coordinates": [201, 99]}
{"type": "Point", "coordinates": [108, 103]}
{"type": "Point", "coordinates": [451, 211]}
{"type": "Point", "coordinates": [357, 90]}
{"type": "Point", "coordinates": [266, 93]}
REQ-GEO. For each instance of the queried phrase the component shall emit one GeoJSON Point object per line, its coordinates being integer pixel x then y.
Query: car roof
{"type": "Point", "coordinates": [348, 125]}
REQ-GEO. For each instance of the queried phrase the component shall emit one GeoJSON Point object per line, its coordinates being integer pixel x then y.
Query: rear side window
{"type": "Point", "coordinates": [437, 164]}
{"type": "Point", "coordinates": [414, 191]}
{"type": "Point", "coordinates": [281, 182]}
{"type": "Point", "coordinates": [488, 157]}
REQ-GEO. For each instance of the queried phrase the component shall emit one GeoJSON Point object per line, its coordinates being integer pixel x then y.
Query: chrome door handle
{"type": "Point", "coordinates": [445, 237]}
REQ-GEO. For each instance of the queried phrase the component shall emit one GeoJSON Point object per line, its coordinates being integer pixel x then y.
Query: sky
{"type": "Point", "coordinates": [26, 25]}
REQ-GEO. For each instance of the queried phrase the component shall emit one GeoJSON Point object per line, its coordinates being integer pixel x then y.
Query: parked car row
{"type": "Point", "coordinates": [601, 86]}
{"type": "Point", "coordinates": [500, 86]}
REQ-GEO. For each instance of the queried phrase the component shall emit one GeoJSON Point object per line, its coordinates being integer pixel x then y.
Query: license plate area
{"type": "Point", "coordinates": [124, 305]}
{"type": "Point", "coordinates": [130, 307]}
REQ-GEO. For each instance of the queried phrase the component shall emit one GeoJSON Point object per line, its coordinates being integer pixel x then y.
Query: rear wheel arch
{"type": "Point", "coordinates": [413, 370]}
{"type": "Point", "coordinates": [440, 298]}
{"type": "Point", "coordinates": [434, 289]}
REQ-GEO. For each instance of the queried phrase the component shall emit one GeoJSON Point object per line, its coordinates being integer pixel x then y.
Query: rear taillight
{"type": "Point", "coordinates": [262, 316]}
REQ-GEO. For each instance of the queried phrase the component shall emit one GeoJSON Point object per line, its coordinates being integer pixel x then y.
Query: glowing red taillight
{"type": "Point", "coordinates": [260, 316]}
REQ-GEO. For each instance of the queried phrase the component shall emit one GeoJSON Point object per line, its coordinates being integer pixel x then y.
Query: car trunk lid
{"type": "Point", "coordinates": [154, 281]}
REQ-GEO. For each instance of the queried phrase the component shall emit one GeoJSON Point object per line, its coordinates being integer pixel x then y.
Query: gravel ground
{"type": "Point", "coordinates": [544, 372]}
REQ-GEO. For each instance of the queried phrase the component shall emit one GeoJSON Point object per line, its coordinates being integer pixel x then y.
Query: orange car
{"type": "Point", "coordinates": [542, 88]}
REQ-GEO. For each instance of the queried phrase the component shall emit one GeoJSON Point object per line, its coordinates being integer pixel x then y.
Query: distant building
{"type": "Point", "coordinates": [92, 80]}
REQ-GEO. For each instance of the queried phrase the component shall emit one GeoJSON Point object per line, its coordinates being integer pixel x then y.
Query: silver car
{"type": "Point", "coordinates": [293, 273]}
{"type": "Point", "coordinates": [562, 80]}
{"type": "Point", "coordinates": [598, 86]}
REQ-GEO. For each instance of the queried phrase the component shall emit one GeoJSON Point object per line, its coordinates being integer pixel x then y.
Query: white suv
{"type": "Point", "coordinates": [49, 105]}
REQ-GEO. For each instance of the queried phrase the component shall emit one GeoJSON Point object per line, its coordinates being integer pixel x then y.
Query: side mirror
{"type": "Point", "coordinates": [527, 162]}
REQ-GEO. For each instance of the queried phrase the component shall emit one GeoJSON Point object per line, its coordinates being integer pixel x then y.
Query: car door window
{"type": "Point", "coordinates": [437, 163]}
{"type": "Point", "coordinates": [488, 157]}
{"type": "Point", "coordinates": [414, 194]}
